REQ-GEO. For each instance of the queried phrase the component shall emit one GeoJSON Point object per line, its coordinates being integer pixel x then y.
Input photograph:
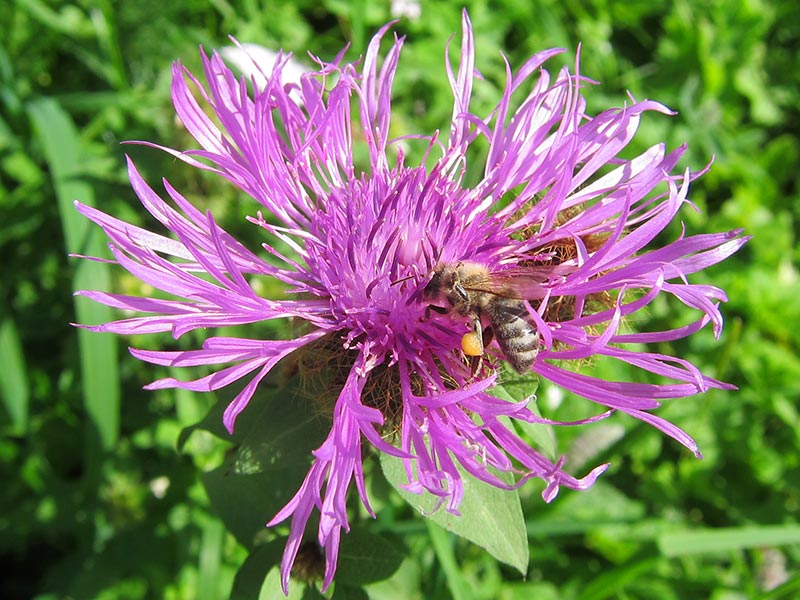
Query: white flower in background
{"type": "Point", "coordinates": [257, 63]}
{"type": "Point", "coordinates": [406, 8]}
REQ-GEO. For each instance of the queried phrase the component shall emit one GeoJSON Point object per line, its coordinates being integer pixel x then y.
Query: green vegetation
{"type": "Point", "coordinates": [100, 500]}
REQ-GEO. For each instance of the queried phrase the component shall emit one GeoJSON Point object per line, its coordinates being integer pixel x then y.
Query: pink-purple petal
{"type": "Point", "coordinates": [356, 246]}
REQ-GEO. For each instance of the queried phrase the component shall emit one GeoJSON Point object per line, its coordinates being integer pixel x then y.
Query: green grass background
{"type": "Point", "coordinates": [97, 501]}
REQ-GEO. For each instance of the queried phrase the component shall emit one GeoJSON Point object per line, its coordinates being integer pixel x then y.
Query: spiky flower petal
{"type": "Point", "coordinates": [555, 195]}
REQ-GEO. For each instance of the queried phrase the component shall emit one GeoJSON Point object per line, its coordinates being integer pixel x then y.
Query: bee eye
{"type": "Point", "coordinates": [462, 293]}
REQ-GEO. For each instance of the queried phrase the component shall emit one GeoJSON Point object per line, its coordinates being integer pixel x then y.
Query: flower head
{"type": "Point", "coordinates": [558, 218]}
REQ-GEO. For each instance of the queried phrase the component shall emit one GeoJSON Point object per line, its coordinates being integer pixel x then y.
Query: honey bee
{"type": "Point", "coordinates": [471, 290]}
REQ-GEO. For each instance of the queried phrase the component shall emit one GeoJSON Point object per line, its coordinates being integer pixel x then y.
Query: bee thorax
{"type": "Point", "coordinates": [469, 290]}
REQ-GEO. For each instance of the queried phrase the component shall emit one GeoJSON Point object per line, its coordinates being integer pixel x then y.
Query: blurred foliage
{"type": "Point", "coordinates": [98, 503]}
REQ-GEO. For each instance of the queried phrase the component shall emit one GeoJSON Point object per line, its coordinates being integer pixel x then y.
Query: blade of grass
{"type": "Point", "coordinates": [612, 582]}
{"type": "Point", "coordinates": [210, 558]}
{"type": "Point", "coordinates": [786, 591]}
{"type": "Point", "coordinates": [358, 33]}
{"type": "Point", "coordinates": [14, 382]}
{"type": "Point", "coordinates": [98, 352]}
{"type": "Point", "coordinates": [104, 20]}
{"type": "Point", "coordinates": [442, 542]}
{"type": "Point", "coordinates": [683, 543]}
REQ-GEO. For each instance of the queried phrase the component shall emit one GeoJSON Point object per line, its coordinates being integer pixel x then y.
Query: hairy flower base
{"type": "Point", "coordinates": [558, 217]}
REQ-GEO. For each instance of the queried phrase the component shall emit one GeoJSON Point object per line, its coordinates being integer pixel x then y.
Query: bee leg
{"type": "Point", "coordinates": [486, 338]}
{"type": "Point", "coordinates": [439, 310]}
{"type": "Point", "coordinates": [475, 366]}
{"type": "Point", "coordinates": [472, 345]}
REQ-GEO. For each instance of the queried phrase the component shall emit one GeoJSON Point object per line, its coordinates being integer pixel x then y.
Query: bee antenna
{"type": "Point", "coordinates": [402, 279]}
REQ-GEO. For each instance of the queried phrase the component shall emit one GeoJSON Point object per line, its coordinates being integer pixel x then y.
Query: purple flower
{"type": "Point", "coordinates": [556, 209]}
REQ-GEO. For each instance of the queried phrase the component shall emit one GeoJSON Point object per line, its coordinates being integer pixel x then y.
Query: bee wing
{"type": "Point", "coordinates": [524, 283]}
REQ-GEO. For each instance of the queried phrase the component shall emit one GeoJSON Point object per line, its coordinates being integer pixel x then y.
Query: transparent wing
{"type": "Point", "coordinates": [524, 283]}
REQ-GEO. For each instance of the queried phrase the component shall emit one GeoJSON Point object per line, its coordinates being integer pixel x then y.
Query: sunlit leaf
{"type": "Point", "coordinates": [98, 352]}
{"type": "Point", "coordinates": [14, 382]}
{"type": "Point", "coordinates": [490, 517]}
{"type": "Point", "coordinates": [724, 540]}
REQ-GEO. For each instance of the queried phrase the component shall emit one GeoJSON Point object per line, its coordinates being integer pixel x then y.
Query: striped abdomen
{"type": "Point", "coordinates": [512, 327]}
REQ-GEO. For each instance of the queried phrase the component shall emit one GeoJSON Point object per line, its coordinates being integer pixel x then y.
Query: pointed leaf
{"type": "Point", "coordinates": [366, 557]}
{"type": "Point", "coordinates": [252, 574]}
{"type": "Point", "coordinates": [14, 382]}
{"type": "Point", "coordinates": [98, 351]}
{"type": "Point", "coordinates": [516, 388]}
{"type": "Point", "coordinates": [490, 517]}
{"type": "Point", "coordinates": [277, 433]}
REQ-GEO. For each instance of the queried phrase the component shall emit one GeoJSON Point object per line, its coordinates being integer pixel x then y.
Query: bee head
{"type": "Point", "coordinates": [442, 281]}
{"type": "Point", "coordinates": [445, 283]}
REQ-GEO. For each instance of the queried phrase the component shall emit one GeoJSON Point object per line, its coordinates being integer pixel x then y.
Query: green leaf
{"type": "Point", "coordinates": [785, 591]}
{"type": "Point", "coordinates": [490, 517]}
{"type": "Point", "coordinates": [246, 502]}
{"type": "Point", "coordinates": [98, 351]}
{"type": "Point", "coordinates": [366, 557]}
{"type": "Point", "coordinates": [610, 583]}
{"type": "Point", "coordinates": [443, 547]}
{"type": "Point", "coordinates": [516, 388]}
{"type": "Point", "coordinates": [724, 540]}
{"type": "Point", "coordinates": [14, 382]}
{"type": "Point", "coordinates": [578, 513]}
{"type": "Point", "coordinates": [252, 574]}
{"type": "Point", "coordinates": [212, 421]}
{"type": "Point", "coordinates": [271, 588]}
{"type": "Point", "coordinates": [310, 593]}
{"type": "Point", "coordinates": [210, 557]}
{"type": "Point", "coordinates": [276, 434]}
{"type": "Point", "coordinates": [345, 592]}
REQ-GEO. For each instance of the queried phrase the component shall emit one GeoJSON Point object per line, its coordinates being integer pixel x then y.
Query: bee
{"type": "Point", "coordinates": [471, 290]}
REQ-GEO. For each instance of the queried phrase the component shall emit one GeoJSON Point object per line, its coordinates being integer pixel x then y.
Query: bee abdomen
{"type": "Point", "coordinates": [517, 336]}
